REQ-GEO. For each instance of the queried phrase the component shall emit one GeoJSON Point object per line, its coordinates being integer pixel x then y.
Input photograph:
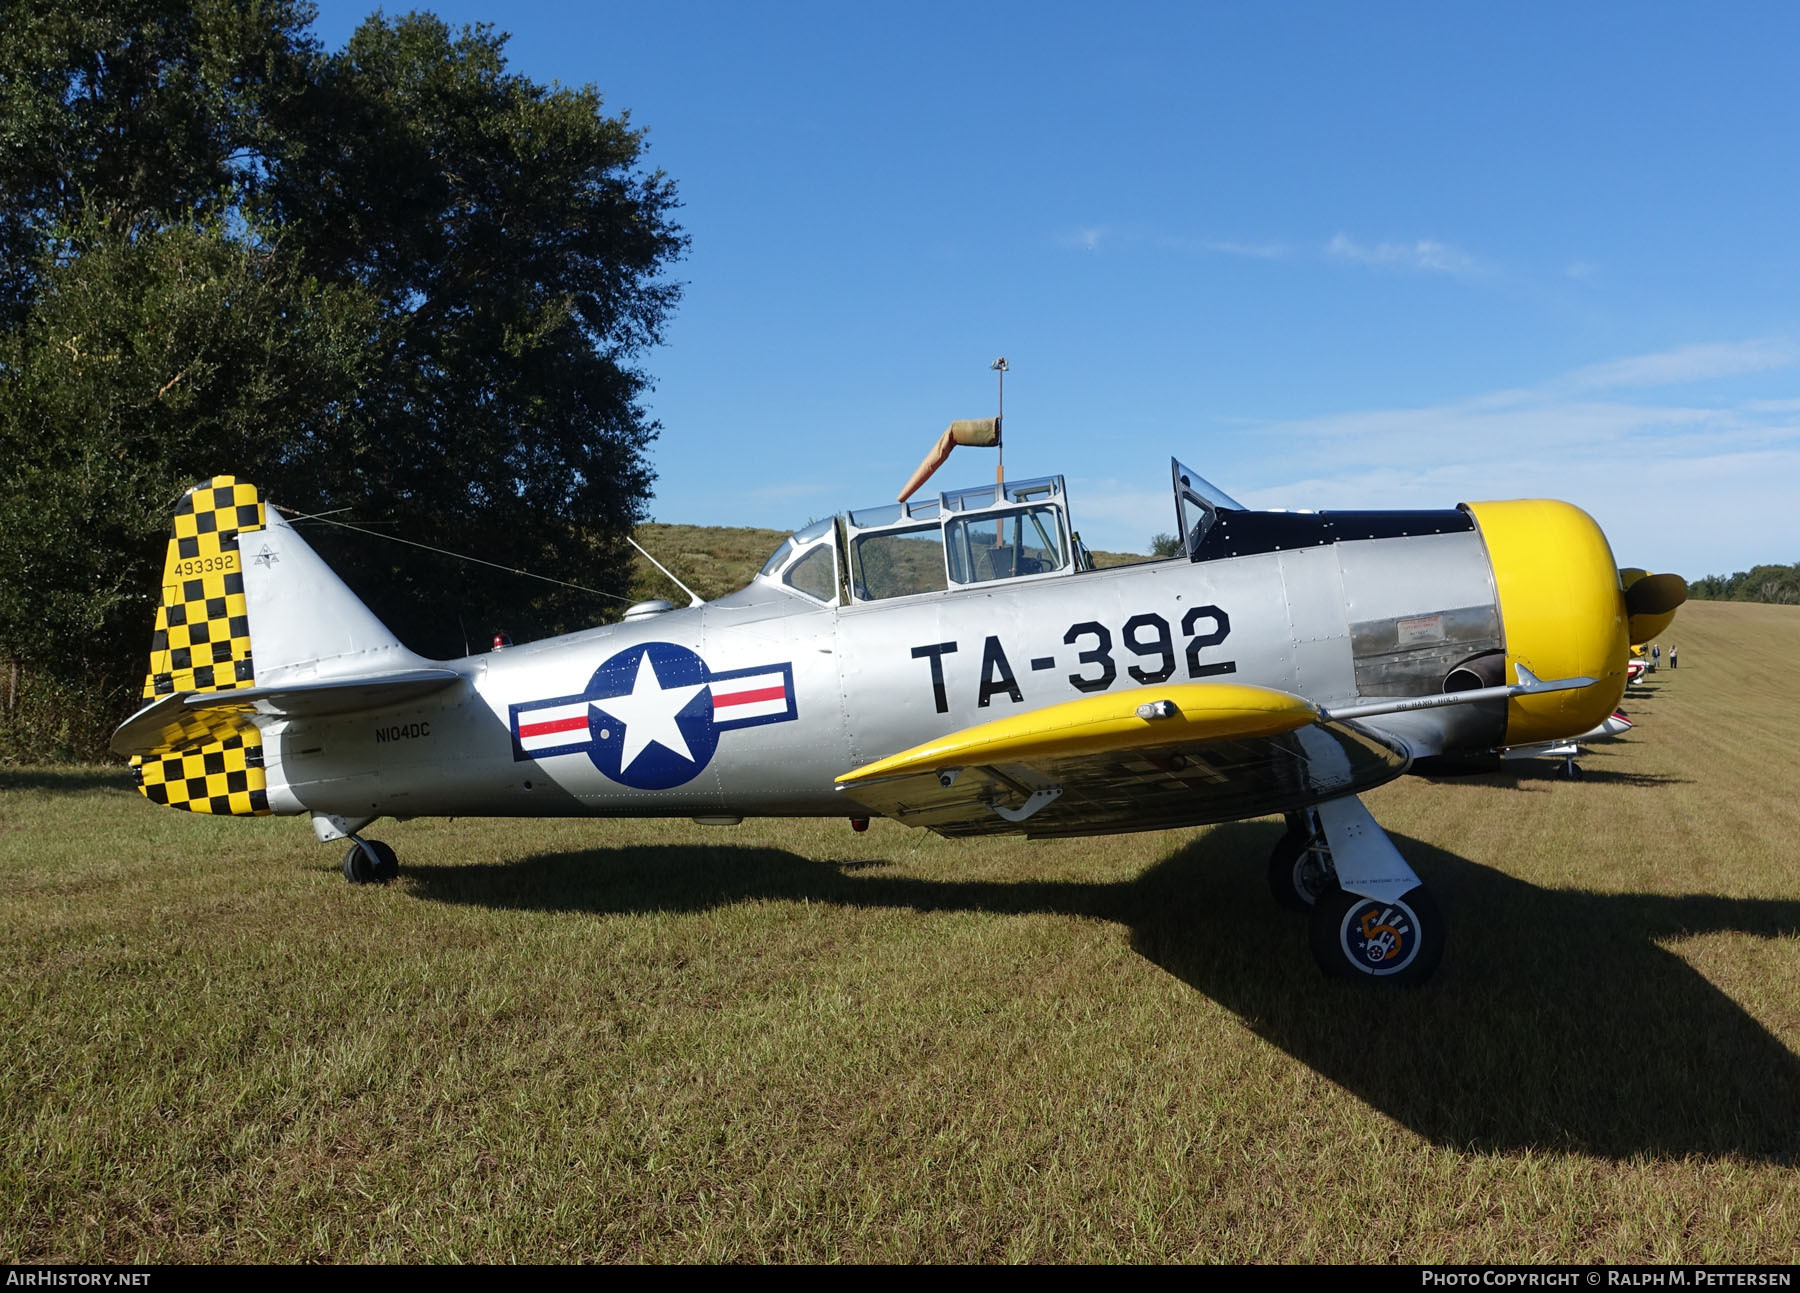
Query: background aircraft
{"type": "Point", "coordinates": [1615, 724]}
{"type": "Point", "coordinates": [953, 662]}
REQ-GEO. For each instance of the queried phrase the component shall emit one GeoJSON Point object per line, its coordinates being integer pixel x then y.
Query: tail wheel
{"type": "Point", "coordinates": [1300, 872]}
{"type": "Point", "coordinates": [370, 862]}
{"type": "Point", "coordinates": [1396, 940]}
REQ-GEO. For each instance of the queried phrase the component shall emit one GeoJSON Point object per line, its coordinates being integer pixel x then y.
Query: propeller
{"type": "Point", "coordinates": [1651, 602]}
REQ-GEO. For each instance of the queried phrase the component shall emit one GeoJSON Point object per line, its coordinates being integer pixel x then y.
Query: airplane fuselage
{"type": "Point", "coordinates": [755, 703]}
{"type": "Point", "coordinates": [955, 664]}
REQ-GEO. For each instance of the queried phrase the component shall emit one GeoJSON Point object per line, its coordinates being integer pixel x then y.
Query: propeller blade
{"type": "Point", "coordinates": [1650, 603]}
{"type": "Point", "coordinates": [1655, 595]}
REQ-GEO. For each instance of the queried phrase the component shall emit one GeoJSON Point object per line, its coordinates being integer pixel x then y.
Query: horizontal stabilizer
{"type": "Point", "coordinates": [176, 722]}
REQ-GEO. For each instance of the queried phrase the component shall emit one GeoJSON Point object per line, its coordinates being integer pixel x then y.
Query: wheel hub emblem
{"type": "Point", "coordinates": [1380, 937]}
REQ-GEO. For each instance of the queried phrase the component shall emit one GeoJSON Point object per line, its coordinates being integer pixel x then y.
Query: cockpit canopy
{"type": "Point", "coordinates": [1018, 530]}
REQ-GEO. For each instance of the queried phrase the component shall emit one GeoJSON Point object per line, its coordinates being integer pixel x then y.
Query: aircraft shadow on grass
{"type": "Point", "coordinates": [1537, 774]}
{"type": "Point", "coordinates": [68, 781]}
{"type": "Point", "coordinates": [1556, 1022]}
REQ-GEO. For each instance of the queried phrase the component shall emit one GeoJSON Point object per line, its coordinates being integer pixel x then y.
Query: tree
{"type": "Point", "coordinates": [515, 253]}
{"type": "Point", "coordinates": [1165, 545]}
{"type": "Point", "coordinates": [146, 361]}
{"type": "Point", "coordinates": [1765, 583]}
{"type": "Point", "coordinates": [134, 112]}
{"type": "Point", "coordinates": [398, 279]}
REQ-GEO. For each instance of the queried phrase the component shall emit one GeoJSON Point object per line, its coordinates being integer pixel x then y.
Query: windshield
{"type": "Point", "coordinates": [782, 553]}
{"type": "Point", "coordinates": [1197, 503]}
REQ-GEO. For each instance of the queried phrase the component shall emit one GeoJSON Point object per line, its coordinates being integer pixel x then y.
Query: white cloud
{"type": "Point", "coordinates": [1686, 364]}
{"type": "Point", "coordinates": [1091, 237]}
{"type": "Point", "coordinates": [1685, 486]}
{"type": "Point", "coordinates": [1425, 255]}
{"type": "Point", "coordinates": [1253, 250]}
{"type": "Point", "coordinates": [1084, 239]}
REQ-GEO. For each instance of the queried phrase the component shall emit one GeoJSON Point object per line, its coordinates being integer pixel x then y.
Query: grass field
{"type": "Point", "coordinates": [785, 1041]}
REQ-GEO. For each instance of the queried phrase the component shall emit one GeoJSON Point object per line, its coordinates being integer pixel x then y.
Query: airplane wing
{"type": "Point", "coordinates": [175, 722]}
{"type": "Point", "coordinates": [1181, 754]}
{"type": "Point", "coordinates": [1145, 759]}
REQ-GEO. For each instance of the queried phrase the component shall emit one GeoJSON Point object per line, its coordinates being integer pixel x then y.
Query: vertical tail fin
{"type": "Point", "coordinates": [202, 643]}
{"type": "Point", "coordinates": [202, 639]}
{"type": "Point", "coordinates": [307, 623]}
{"type": "Point", "coordinates": [245, 603]}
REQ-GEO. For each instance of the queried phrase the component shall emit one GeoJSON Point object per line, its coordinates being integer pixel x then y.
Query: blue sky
{"type": "Point", "coordinates": [1372, 255]}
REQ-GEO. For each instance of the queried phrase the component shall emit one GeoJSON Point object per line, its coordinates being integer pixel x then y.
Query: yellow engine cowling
{"type": "Point", "coordinates": [1562, 610]}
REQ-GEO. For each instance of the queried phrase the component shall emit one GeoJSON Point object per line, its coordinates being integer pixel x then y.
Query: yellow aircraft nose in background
{"type": "Point", "coordinates": [1562, 611]}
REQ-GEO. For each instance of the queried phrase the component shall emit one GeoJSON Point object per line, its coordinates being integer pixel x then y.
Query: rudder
{"type": "Point", "coordinates": [202, 643]}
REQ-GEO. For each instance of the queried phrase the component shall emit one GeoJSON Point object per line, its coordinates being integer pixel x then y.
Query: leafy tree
{"type": "Point", "coordinates": [1165, 545]}
{"type": "Point", "coordinates": [137, 112]}
{"type": "Point", "coordinates": [398, 280]}
{"type": "Point", "coordinates": [514, 252]}
{"type": "Point", "coordinates": [1767, 583]}
{"type": "Point", "coordinates": [145, 362]}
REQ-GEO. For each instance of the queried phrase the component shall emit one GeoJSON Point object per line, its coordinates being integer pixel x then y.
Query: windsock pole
{"type": "Point", "coordinates": [1000, 366]}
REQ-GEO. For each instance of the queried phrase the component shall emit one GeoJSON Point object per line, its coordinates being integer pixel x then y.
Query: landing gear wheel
{"type": "Point", "coordinates": [1400, 940]}
{"type": "Point", "coordinates": [388, 865]}
{"type": "Point", "coordinates": [370, 862]}
{"type": "Point", "coordinates": [1299, 872]}
{"type": "Point", "coordinates": [1571, 771]}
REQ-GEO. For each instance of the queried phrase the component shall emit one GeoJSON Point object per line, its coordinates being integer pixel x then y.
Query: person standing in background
{"type": "Point", "coordinates": [1672, 663]}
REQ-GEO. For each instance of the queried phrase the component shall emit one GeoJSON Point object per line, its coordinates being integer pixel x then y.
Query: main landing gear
{"type": "Point", "coordinates": [1371, 918]}
{"type": "Point", "coordinates": [370, 862]}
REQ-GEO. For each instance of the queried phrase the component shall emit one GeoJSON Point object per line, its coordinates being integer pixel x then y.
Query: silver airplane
{"type": "Point", "coordinates": [956, 663]}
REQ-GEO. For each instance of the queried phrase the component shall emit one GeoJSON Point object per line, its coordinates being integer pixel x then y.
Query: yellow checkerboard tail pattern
{"type": "Point", "coordinates": [202, 643]}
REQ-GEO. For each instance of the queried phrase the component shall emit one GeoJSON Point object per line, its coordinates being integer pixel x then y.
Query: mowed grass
{"type": "Point", "coordinates": [652, 1041]}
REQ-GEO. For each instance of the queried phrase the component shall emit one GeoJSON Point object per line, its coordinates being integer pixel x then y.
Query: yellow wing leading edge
{"type": "Point", "coordinates": [1144, 759]}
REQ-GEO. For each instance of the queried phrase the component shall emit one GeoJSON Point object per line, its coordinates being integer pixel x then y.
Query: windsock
{"type": "Point", "coordinates": [982, 433]}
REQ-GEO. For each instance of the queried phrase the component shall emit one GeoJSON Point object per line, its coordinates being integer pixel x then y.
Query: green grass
{"type": "Point", "coordinates": [785, 1041]}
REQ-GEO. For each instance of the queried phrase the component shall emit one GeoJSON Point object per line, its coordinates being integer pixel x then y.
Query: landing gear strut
{"type": "Point", "coordinates": [370, 862]}
{"type": "Point", "coordinates": [1300, 864]}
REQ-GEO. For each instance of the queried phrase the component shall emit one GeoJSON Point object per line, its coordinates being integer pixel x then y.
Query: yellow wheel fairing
{"type": "Point", "coordinates": [1562, 612]}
